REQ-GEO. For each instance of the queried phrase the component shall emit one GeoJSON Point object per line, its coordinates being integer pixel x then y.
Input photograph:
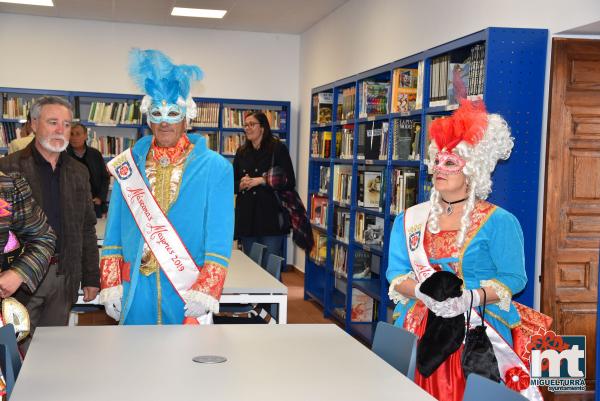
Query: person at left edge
{"type": "Point", "coordinates": [169, 232]}
{"type": "Point", "coordinates": [94, 162]}
{"type": "Point", "coordinates": [60, 185]}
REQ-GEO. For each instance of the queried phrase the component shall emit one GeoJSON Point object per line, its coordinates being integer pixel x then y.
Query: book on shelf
{"type": "Point", "coordinates": [323, 179]}
{"type": "Point", "coordinates": [458, 82]}
{"type": "Point", "coordinates": [318, 253]}
{"type": "Point", "coordinates": [341, 224]}
{"type": "Point", "coordinates": [428, 120]}
{"type": "Point", "coordinates": [361, 266]}
{"type": "Point", "coordinates": [340, 259]}
{"type": "Point", "coordinates": [420, 78]}
{"type": "Point", "coordinates": [373, 98]}
{"type": "Point", "coordinates": [362, 306]}
{"type": "Point", "coordinates": [207, 116]}
{"type": "Point", "coordinates": [362, 138]}
{"type": "Point", "coordinates": [404, 89]}
{"type": "Point", "coordinates": [321, 144]}
{"type": "Point", "coordinates": [212, 140]}
{"type": "Point", "coordinates": [322, 107]}
{"type": "Point", "coordinates": [368, 229]}
{"type": "Point", "coordinates": [347, 145]}
{"type": "Point", "coordinates": [345, 103]}
{"type": "Point", "coordinates": [406, 139]}
{"type": "Point", "coordinates": [318, 210]}
{"type": "Point", "coordinates": [404, 190]}
{"type": "Point", "coordinates": [438, 87]}
{"type": "Point", "coordinates": [373, 185]}
{"type": "Point", "coordinates": [231, 143]}
{"type": "Point", "coordinates": [342, 183]}
{"type": "Point", "coordinates": [476, 61]}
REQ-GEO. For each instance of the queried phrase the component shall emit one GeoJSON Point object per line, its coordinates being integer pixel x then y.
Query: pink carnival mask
{"type": "Point", "coordinates": [448, 163]}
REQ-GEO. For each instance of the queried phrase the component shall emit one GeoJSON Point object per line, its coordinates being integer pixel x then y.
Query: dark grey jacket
{"type": "Point", "coordinates": [79, 249]}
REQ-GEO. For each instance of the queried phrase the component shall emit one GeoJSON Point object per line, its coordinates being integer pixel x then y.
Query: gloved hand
{"type": "Point", "coordinates": [429, 302]}
{"type": "Point", "coordinates": [193, 306]}
{"type": "Point", "coordinates": [452, 307]}
{"type": "Point", "coordinates": [113, 308]}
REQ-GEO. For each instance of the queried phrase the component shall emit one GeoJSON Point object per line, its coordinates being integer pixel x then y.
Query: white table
{"type": "Point", "coordinates": [265, 362]}
{"type": "Point", "coordinates": [246, 282]}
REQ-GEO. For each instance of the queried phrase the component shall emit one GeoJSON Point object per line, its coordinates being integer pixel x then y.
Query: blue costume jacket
{"type": "Point", "coordinates": [495, 253]}
{"type": "Point", "coordinates": [202, 214]}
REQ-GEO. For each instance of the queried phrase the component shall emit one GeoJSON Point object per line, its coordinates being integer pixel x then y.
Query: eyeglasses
{"type": "Point", "coordinates": [251, 125]}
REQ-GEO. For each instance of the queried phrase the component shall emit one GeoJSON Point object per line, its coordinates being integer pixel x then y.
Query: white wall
{"type": "Point", "coordinates": [365, 34]}
{"type": "Point", "coordinates": [81, 55]}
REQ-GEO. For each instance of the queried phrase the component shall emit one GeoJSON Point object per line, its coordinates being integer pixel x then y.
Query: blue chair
{"type": "Point", "coordinates": [397, 347]}
{"type": "Point", "coordinates": [274, 267]}
{"type": "Point", "coordinates": [257, 253]}
{"type": "Point", "coordinates": [10, 359]}
{"type": "Point", "coordinates": [481, 388]}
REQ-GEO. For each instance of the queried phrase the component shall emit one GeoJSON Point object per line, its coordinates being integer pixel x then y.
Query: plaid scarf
{"type": "Point", "coordinates": [290, 202]}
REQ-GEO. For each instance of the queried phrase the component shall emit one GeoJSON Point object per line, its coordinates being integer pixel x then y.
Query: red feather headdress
{"type": "Point", "coordinates": [468, 123]}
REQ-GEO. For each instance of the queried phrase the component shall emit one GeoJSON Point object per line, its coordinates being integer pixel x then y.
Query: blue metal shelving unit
{"type": "Point", "coordinates": [515, 65]}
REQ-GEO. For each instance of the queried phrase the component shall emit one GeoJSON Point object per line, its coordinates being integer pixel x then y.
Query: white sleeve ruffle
{"type": "Point", "coordinates": [394, 295]}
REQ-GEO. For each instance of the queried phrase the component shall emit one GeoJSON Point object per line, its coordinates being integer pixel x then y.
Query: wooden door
{"type": "Point", "coordinates": [572, 209]}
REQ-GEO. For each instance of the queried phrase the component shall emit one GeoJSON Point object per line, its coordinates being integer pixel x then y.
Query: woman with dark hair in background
{"type": "Point", "coordinates": [258, 216]}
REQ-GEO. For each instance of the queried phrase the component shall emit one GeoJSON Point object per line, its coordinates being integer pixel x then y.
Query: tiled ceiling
{"type": "Point", "coordinates": [272, 16]}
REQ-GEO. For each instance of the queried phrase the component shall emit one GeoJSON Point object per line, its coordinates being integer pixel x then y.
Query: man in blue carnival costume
{"type": "Point", "coordinates": [170, 223]}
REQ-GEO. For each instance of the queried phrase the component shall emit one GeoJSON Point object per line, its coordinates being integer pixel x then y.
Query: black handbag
{"type": "Point", "coordinates": [478, 354]}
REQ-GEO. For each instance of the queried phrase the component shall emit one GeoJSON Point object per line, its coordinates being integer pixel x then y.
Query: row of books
{"type": "Point", "coordinates": [208, 115]}
{"type": "Point", "coordinates": [368, 229]}
{"type": "Point", "coordinates": [373, 140]}
{"type": "Point", "coordinates": [342, 183]}
{"type": "Point", "coordinates": [16, 107]}
{"type": "Point", "coordinates": [346, 102]}
{"type": "Point", "coordinates": [232, 142]}
{"type": "Point", "coordinates": [320, 144]}
{"type": "Point", "coordinates": [318, 210]}
{"type": "Point", "coordinates": [109, 146]}
{"type": "Point", "coordinates": [341, 224]}
{"type": "Point", "coordinates": [363, 262]}
{"type": "Point", "coordinates": [318, 253]}
{"type": "Point", "coordinates": [453, 81]}
{"type": "Point", "coordinates": [404, 190]}
{"type": "Point", "coordinates": [212, 141]}
{"type": "Point", "coordinates": [407, 89]}
{"type": "Point", "coordinates": [8, 132]}
{"type": "Point", "coordinates": [115, 113]}
{"type": "Point", "coordinates": [234, 118]}
{"type": "Point", "coordinates": [373, 98]}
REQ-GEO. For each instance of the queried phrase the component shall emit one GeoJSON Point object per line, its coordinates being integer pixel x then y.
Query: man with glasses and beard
{"type": "Point", "coordinates": [60, 185]}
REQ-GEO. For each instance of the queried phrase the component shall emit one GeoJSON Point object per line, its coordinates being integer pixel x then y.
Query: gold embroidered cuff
{"type": "Point", "coordinates": [394, 295]}
{"type": "Point", "coordinates": [502, 292]}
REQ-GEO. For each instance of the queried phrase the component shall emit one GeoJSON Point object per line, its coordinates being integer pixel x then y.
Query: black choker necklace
{"type": "Point", "coordinates": [449, 208]}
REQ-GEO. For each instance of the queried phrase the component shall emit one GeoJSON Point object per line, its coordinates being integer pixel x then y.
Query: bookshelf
{"type": "Point", "coordinates": [375, 157]}
{"type": "Point", "coordinates": [114, 121]}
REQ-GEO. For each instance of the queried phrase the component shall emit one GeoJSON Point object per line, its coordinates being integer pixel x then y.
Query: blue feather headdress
{"type": "Point", "coordinates": [156, 75]}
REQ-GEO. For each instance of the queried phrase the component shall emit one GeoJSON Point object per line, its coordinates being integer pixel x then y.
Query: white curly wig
{"type": "Point", "coordinates": [481, 159]}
